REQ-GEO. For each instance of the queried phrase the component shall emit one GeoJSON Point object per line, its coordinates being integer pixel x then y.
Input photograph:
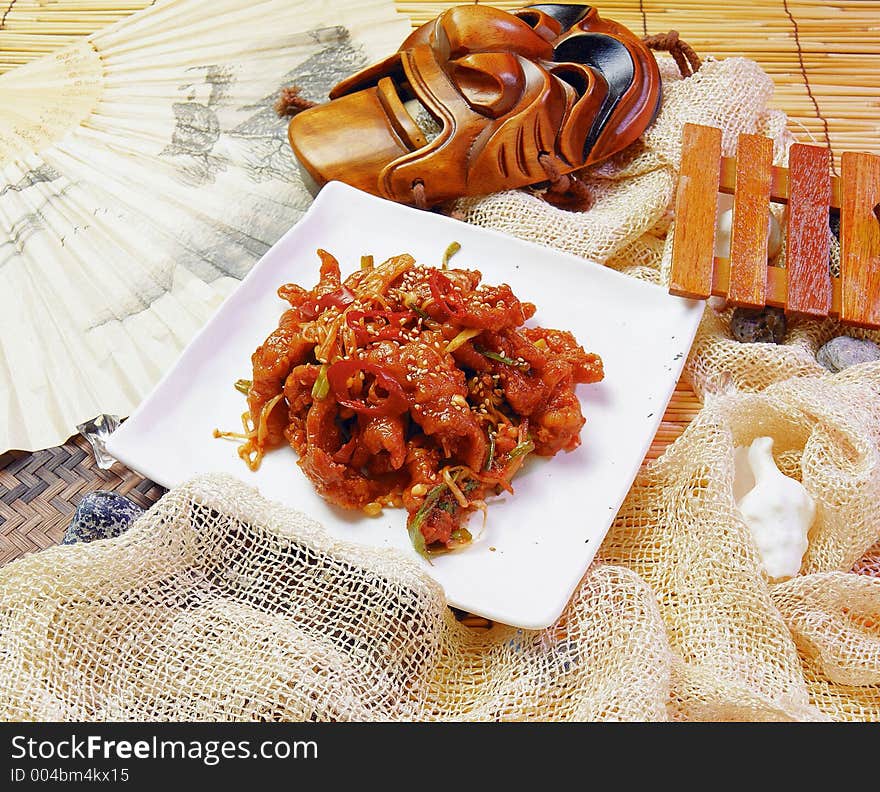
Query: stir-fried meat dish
{"type": "Point", "coordinates": [413, 386]}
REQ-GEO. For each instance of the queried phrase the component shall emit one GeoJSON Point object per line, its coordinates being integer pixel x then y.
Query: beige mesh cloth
{"type": "Point", "coordinates": [220, 605]}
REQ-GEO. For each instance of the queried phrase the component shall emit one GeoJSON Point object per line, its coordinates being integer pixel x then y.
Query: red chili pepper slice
{"type": "Point", "coordinates": [341, 298]}
{"type": "Point", "coordinates": [307, 311]}
{"type": "Point", "coordinates": [394, 403]}
{"type": "Point", "coordinates": [393, 328]}
{"type": "Point", "coordinates": [444, 294]}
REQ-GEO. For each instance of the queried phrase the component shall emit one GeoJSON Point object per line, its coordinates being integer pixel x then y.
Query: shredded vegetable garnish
{"type": "Point", "coordinates": [322, 385]}
{"type": "Point", "coordinates": [232, 435]}
{"type": "Point", "coordinates": [450, 251]}
{"type": "Point", "coordinates": [410, 302]}
{"type": "Point", "coordinates": [406, 385]}
{"type": "Point", "coordinates": [491, 458]}
{"type": "Point", "coordinates": [263, 422]}
{"type": "Point", "coordinates": [520, 364]}
{"type": "Point", "coordinates": [522, 449]}
{"type": "Point", "coordinates": [465, 335]}
{"type": "Point", "coordinates": [449, 480]}
{"type": "Point", "coordinates": [460, 537]}
{"type": "Point", "coordinates": [415, 523]}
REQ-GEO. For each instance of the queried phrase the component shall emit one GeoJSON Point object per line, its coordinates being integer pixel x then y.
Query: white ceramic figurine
{"type": "Point", "coordinates": [778, 510]}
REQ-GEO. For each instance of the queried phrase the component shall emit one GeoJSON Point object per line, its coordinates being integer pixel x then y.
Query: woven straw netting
{"type": "Point", "coordinates": [221, 605]}
{"type": "Point", "coordinates": [218, 604]}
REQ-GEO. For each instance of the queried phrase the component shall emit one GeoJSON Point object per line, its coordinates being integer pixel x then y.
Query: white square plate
{"type": "Point", "coordinates": [545, 536]}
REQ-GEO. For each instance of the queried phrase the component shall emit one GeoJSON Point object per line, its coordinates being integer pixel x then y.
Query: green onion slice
{"type": "Point", "coordinates": [453, 248]}
{"type": "Point", "coordinates": [460, 537]}
{"type": "Point", "coordinates": [322, 385]}
{"type": "Point", "coordinates": [415, 525]}
{"type": "Point", "coordinates": [501, 358]}
{"type": "Point", "coordinates": [491, 458]}
{"type": "Point", "coordinates": [521, 449]}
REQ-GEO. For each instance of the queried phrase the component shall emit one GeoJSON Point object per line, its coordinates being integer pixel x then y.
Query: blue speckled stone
{"type": "Point", "coordinates": [101, 515]}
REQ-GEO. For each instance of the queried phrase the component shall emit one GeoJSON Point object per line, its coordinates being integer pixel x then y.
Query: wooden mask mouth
{"type": "Point", "coordinates": [474, 98]}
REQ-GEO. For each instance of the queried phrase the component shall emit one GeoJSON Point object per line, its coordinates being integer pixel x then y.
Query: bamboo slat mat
{"type": "Point", "coordinates": [824, 58]}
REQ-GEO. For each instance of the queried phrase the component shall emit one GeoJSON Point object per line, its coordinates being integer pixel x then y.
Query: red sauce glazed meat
{"type": "Point", "coordinates": [413, 386]}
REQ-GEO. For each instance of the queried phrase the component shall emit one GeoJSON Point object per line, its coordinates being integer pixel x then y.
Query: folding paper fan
{"type": "Point", "coordinates": [143, 171]}
{"type": "Point", "coordinates": [30, 29]}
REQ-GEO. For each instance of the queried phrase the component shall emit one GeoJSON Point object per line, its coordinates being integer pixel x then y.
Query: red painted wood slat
{"type": "Point", "coordinates": [808, 242]}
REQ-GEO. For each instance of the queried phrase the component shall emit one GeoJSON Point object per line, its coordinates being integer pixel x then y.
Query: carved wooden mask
{"type": "Point", "coordinates": [472, 98]}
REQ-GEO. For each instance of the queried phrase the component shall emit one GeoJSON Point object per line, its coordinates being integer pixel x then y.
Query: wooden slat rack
{"type": "Point", "coordinates": [805, 286]}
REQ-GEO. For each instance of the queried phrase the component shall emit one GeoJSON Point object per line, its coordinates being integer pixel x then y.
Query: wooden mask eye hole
{"type": "Point", "coordinates": [545, 26]}
{"type": "Point", "coordinates": [573, 75]}
{"type": "Point", "coordinates": [491, 82]}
